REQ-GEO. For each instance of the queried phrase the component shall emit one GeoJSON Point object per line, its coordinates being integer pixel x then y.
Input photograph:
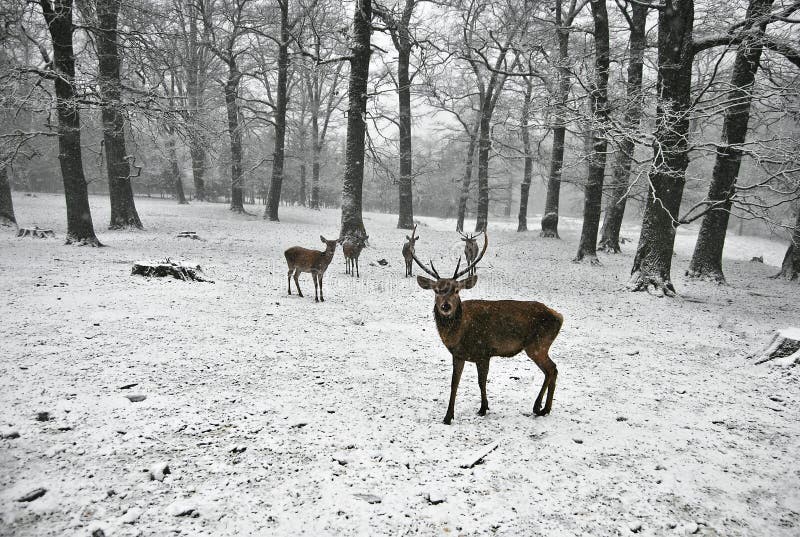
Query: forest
{"type": "Point", "coordinates": [633, 164]}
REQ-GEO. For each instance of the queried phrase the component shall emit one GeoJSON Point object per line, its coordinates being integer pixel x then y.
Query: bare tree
{"type": "Point", "coordinates": [7, 218]}
{"type": "Point", "coordinates": [58, 18]}
{"type": "Point", "coordinates": [600, 115]}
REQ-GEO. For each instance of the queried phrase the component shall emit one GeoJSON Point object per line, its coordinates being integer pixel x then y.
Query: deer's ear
{"type": "Point", "coordinates": [408, 238]}
{"type": "Point", "coordinates": [469, 283]}
{"type": "Point", "coordinates": [322, 239]}
{"type": "Point", "coordinates": [425, 283]}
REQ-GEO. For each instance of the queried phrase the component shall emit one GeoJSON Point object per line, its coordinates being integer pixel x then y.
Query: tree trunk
{"type": "Point", "coordinates": [550, 216]}
{"type": "Point", "coordinates": [621, 168]}
{"type": "Point", "coordinates": [587, 248]}
{"type": "Point", "coordinates": [467, 179]}
{"type": "Point", "coordinates": [790, 268]}
{"type": "Point", "coordinates": [484, 145]}
{"type": "Point", "coordinates": [352, 222]}
{"type": "Point", "coordinates": [7, 217]}
{"type": "Point", "coordinates": [174, 169]}
{"type": "Point", "coordinates": [303, 193]}
{"type": "Point", "coordinates": [405, 193]}
{"type": "Point", "coordinates": [235, 133]}
{"type": "Point", "coordinates": [652, 264]}
{"type": "Point", "coordinates": [80, 229]}
{"type": "Point", "coordinates": [281, 102]}
{"type": "Point", "coordinates": [525, 186]}
{"type": "Point", "coordinates": [194, 91]}
{"type": "Point", "coordinates": [707, 258]}
{"type": "Point", "coordinates": [123, 207]}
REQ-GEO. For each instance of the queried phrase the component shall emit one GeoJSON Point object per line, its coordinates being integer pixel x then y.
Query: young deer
{"type": "Point", "coordinates": [351, 248]}
{"type": "Point", "coordinates": [470, 249]}
{"type": "Point", "coordinates": [313, 261]}
{"type": "Point", "coordinates": [408, 251]}
{"type": "Point", "coordinates": [477, 330]}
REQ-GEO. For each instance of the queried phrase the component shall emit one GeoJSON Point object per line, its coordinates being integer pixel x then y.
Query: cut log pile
{"type": "Point", "coordinates": [35, 232]}
{"type": "Point", "coordinates": [784, 349]}
{"type": "Point", "coordinates": [169, 269]}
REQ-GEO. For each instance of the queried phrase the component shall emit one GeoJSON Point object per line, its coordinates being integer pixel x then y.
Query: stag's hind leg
{"type": "Point", "coordinates": [540, 356]}
{"type": "Point", "coordinates": [296, 282]}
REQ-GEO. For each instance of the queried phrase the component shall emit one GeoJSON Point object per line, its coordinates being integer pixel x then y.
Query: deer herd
{"type": "Point", "coordinates": [472, 330]}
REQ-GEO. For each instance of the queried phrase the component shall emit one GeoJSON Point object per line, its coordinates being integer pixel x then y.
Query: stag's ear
{"type": "Point", "coordinates": [463, 239]}
{"type": "Point", "coordinates": [425, 283]}
{"type": "Point", "coordinates": [323, 239]}
{"type": "Point", "coordinates": [468, 283]}
{"type": "Point", "coordinates": [408, 238]}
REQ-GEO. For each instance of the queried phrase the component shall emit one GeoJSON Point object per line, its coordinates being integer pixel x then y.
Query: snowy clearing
{"type": "Point", "coordinates": [276, 415]}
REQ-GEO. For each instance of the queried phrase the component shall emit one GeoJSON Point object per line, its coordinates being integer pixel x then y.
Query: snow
{"type": "Point", "coordinates": [679, 430]}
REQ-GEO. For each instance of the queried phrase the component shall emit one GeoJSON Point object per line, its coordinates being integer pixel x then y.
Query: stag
{"type": "Point", "coordinates": [408, 251]}
{"type": "Point", "coordinates": [314, 261]}
{"type": "Point", "coordinates": [477, 330]}
{"type": "Point", "coordinates": [470, 248]}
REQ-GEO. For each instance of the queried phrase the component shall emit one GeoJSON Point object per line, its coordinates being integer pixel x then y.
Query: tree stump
{"type": "Point", "coordinates": [169, 269]}
{"type": "Point", "coordinates": [188, 235]}
{"type": "Point", "coordinates": [35, 232]}
{"type": "Point", "coordinates": [784, 348]}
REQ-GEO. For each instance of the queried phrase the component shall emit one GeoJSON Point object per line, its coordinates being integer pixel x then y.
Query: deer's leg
{"type": "Point", "coordinates": [458, 367]}
{"type": "Point", "coordinates": [542, 359]}
{"type": "Point", "coordinates": [357, 275]}
{"type": "Point", "coordinates": [297, 282]}
{"type": "Point", "coordinates": [289, 280]}
{"type": "Point", "coordinates": [314, 277]}
{"type": "Point", "coordinates": [321, 298]}
{"type": "Point", "coordinates": [483, 374]}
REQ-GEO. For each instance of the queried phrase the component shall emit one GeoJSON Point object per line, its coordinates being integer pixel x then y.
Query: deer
{"type": "Point", "coordinates": [351, 248]}
{"type": "Point", "coordinates": [470, 247]}
{"type": "Point", "coordinates": [314, 261]}
{"type": "Point", "coordinates": [408, 251]}
{"type": "Point", "coordinates": [477, 330]}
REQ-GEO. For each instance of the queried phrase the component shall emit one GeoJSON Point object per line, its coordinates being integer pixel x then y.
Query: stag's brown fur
{"type": "Point", "coordinates": [477, 330]}
{"type": "Point", "coordinates": [314, 261]}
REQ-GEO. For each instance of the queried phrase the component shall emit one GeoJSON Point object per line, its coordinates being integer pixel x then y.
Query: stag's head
{"type": "Point", "coordinates": [413, 239]}
{"type": "Point", "coordinates": [447, 290]}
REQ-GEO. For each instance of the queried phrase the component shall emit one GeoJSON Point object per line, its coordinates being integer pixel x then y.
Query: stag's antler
{"type": "Point", "coordinates": [431, 272]}
{"type": "Point", "coordinates": [469, 267]}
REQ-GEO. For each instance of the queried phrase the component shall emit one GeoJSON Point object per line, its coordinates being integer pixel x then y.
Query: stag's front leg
{"type": "Point", "coordinates": [483, 374]}
{"type": "Point", "coordinates": [321, 297]}
{"type": "Point", "coordinates": [458, 367]}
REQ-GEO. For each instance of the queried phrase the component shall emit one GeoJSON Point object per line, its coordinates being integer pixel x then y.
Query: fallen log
{"type": "Point", "coordinates": [471, 460]}
{"type": "Point", "coordinates": [35, 232]}
{"type": "Point", "coordinates": [784, 348]}
{"type": "Point", "coordinates": [169, 268]}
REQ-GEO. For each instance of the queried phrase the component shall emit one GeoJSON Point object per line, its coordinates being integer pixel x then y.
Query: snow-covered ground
{"type": "Point", "coordinates": [280, 416]}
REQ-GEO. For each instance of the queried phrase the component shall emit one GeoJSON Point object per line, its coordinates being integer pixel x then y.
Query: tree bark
{"type": "Point", "coordinates": [7, 217]}
{"type": "Point", "coordinates": [550, 216]}
{"type": "Point", "coordinates": [281, 102]}
{"type": "Point", "coordinates": [790, 268]}
{"type": "Point", "coordinates": [405, 218]}
{"type": "Point", "coordinates": [653, 260]}
{"type": "Point", "coordinates": [467, 179]}
{"type": "Point", "coordinates": [587, 248]}
{"type": "Point", "coordinates": [80, 230]}
{"type": "Point", "coordinates": [621, 168]}
{"type": "Point", "coordinates": [123, 207]}
{"type": "Point", "coordinates": [352, 222]}
{"type": "Point", "coordinates": [194, 91]}
{"type": "Point", "coordinates": [525, 186]}
{"type": "Point", "coordinates": [707, 258]}
{"type": "Point", "coordinates": [235, 133]}
{"type": "Point", "coordinates": [174, 169]}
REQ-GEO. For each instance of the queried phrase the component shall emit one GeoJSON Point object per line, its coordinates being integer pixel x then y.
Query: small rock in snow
{"type": "Point", "coordinates": [635, 527]}
{"type": "Point", "coordinates": [32, 495]}
{"type": "Point", "coordinates": [183, 508]}
{"type": "Point", "coordinates": [136, 398]}
{"type": "Point", "coordinates": [43, 416]}
{"type": "Point", "coordinates": [98, 532]}
{"type": "Point", "coordinates": [435, 497]}
{"type": "Point", "coordinates": [299, 424]}
{"type": "Point", "coordinates": [131, 515]}
{"type": "Point", "coordinates": [9, 434]}
{"type": "Point", "coordinates": [369, 498]}
{"type": "Point", "coordinates": [691, 528]}
{"type": "Point", "coordinates": [577, 440]}
{"type": "Point", "coordinates": [129, 386]}
{"type": "Point", "coordinates": [237, 449]}
{"type": "Point", "coordinates": [622, 418]}
{"type": "Point", "coordinates": [159, 470]}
